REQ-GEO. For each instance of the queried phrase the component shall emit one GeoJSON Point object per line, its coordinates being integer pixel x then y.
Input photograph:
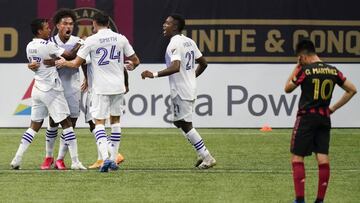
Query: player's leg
{"type": "Point", "coordinates": [100, 111]}
{"type": "Point", "coordinates": [322, 142]}
{"type": "Point", "coordinates": [182, 111]}
{"type": "Point", "coordinates": [59, 111]}
{"type": "Point", "coordinates": [38, 113]}
{"type": "Point", "coordinates": [301, 145]}
{"type": "Point", "coordinates": [117, 106]}
{"type": "Point", "coordinates": [51, 134]}
{"type": "Point", "coordinates": [99, 161]}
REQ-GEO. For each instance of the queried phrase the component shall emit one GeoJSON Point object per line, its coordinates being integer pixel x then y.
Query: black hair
{"type": "Point", "coordinates": [37, 24]}
{"type": "Point", "coordinates": [62, 13]}
{"type": "Point", "coordinates": [101, 19]}
{"type": "Point", "coordinates": [180, 21]}
{"type": "Point", "coordinates": [305, 46]}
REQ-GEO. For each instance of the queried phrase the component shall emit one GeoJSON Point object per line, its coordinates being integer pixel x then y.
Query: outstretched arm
{"type": "Point", "coordinates": [132, 63]}
{"type": "Point", "coordinates": [70, 64]}
{"type": "Point", "coordinates": [173, 68]}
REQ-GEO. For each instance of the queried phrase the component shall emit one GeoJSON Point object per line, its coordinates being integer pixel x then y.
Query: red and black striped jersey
{"type": "Point", "coordinates": [317, 82]}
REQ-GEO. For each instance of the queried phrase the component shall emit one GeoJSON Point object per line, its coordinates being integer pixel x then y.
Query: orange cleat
{"type": "Point", "coordinates": [119, 159]}
{"type": "Point", "coordinates": [46, 165]}
{"type": "Point", "coordinates": [97, 164]}
{"type": "Point", "coordinates": [60, 165]}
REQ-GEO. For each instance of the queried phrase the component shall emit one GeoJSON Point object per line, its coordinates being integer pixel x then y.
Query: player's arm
{"type": "Point", "coordinates": [84, 84]}
{"type": "Point", "coordinates": [173, 68]}
{"type": "Point", "coordinates": [70, 64]}
{"type": "Point", "coordinates": [290, 85]}
{"type": "Point", "coordinates": [126, 81]}
{"type": "Point", "coordinates": [202, 64]}
{"type": "Point", "coordinates": [350, 91]}
{"type": "Point", "coordinates": [132, 62]}
{"type": "Point", "coordinates": [70, 55]}
{"type": "Point", "coordinates": [33, 65]}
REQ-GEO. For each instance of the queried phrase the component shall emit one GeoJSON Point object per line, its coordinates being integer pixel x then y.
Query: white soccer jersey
{"type": "Point", "coordinates": [70, 77]}
{"type": "Point", "coordinates": [107, 50]}
{"type": "Point", "coordinates": [46, 78]}
{"type": "Point", "coordinates": [183, 83]}
{"type": "Point", "coordinates": [90, 76]}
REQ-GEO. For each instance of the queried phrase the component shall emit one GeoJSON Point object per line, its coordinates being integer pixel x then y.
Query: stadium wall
{"type": "Point", "coordinates": [229, 96]}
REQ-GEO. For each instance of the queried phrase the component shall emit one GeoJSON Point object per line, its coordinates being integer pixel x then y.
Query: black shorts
{"type": "Point", "coordinates": [311, 133]}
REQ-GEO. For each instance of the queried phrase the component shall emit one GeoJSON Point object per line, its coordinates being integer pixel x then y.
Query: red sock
{"type": "Point", "coordinates": [299, 179]}
{"type": "Point", "coordinates": [324, 175]}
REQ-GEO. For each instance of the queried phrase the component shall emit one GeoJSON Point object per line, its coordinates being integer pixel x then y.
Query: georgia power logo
{"type": "Point", "coordinates": [83, 28]}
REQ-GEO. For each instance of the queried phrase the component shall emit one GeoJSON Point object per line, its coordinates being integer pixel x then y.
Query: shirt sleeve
{"type": "Point", "coordinates": [85, 49]}
{"type": "Point", "coordinates": [299, 75]}
{"type": "Point", "coordinates": [54, 49]}
{"type": "Point", "coordinates": [197, 52]}
{"type": "Point", "coordinates": [340, 78]}
{"type": "Point", "coordinates": [128, 49]}
{"type": "Point", "coordinates": [175, 52]}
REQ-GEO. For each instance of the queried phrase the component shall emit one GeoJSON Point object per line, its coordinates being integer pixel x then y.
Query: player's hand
{"type": "Point", "coordinates": [147, 74]}
{"type": "Point", "coordinates": [84, 85]}
{"type": "Point", "coordinates": [126, 89]}
{"type": "Point", "coordinates": [129, 65]}
{"type": "Point", "coordinates": [33, 65]}
{"type": "Point", "coordinates": [60, 63]}
{"type": "Point", "coordinates": [49, 62]}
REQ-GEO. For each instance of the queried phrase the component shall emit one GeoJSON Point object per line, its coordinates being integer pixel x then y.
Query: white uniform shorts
{"type": "Point", "coordinates": [182, 109]}
{"type": "Point", "coordinates": [47, 103]}
{"type": "Point", "coordinates": [103, 106]}
{"type": "Point", "coordinates": [73, 101]}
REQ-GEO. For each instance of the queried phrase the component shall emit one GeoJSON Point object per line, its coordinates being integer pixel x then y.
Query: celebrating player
{"type": "Point", "coordinates": [312, 127]}
{"type": "Point", "coordinates": [181, 55]}
{"type": "Point", "coordinates": [48, 93]}
{"type": "Point", "coordinates": [107, 50]}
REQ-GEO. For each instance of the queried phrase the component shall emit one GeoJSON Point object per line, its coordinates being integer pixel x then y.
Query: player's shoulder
{"type": "Point", "coordinates": [73, 39]}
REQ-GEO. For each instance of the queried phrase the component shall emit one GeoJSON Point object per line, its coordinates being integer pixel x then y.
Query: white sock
{"type": "Point", "coordinates": [51, 134]}
{"type": "Point", "coordinates": [26, 140]}
{"type": "Point", "coordinates": [198, 143]}
{"type": "Point", "coordinates": [63, 148]}
{"type": "Point", "coordinates": [97, 149]}
{"type": "Point", "coordinates": [115, 140]}
{"type": "Point", "coordinates": [70, 139]}
{"type": "Point", "coordinates": [100, 136]}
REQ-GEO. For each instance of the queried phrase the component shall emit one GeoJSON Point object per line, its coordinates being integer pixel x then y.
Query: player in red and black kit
{"type": "Point", "coordinates": [311, 132]}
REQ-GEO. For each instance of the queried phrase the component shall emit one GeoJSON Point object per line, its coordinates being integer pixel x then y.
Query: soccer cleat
{"type": "Point", "coordinates": [46, 165]}
{"type": "Point", "coordinates": [296, 201]}
{"type": "Point", "coordinates": [60, 165]}
{"type": "Point", "coordinates": [77, 166]}
{"type": "Point", "coordinates": [108, 164]}
{"type": "Point", "coordinates": [119, 159]}
{"type": "Point", "coordinates": [15, 163]}
{"type": "Point", "coordinates": [208, 162]}
{"type": "Point", "coordinates": [114, 166]}
{"type": "Point", "coordinates": [199, 161]}
{"type": "Point", "coordinates": [97, 164]}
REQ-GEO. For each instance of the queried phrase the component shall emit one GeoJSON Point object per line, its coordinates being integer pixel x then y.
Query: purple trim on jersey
{"type": "Point", "coordinates": [55, 40]}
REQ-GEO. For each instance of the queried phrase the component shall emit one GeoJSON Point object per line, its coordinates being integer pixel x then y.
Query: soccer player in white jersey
{"type": "Point", "coordinates": [107, 50]}
{"type": "Point", "coordinates": [64, 20]}
{"type": "Point", "coordinates": [181, 55]}
{"type": "Point", "coordinates": [47, 93]}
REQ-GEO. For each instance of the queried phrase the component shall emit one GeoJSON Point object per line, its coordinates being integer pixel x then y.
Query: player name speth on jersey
{"type": "Point", "coordinates": [185, 50]}
{"type": "Point", "coordinates": [46, 78]}
{"type": "Point", "coordinates": [107, 50]}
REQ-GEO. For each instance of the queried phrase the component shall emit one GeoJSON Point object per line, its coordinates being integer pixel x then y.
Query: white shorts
{"type": "Point", "coordinates": [103, 106]}
{"type": "Point", "coordinates": [73, 101]}
{"type": "Point", "coordinates": [47, 103]}
{"type": "Point", "coordinates": [182, 109]}
{"type": "Point", "coordinates": [86, 109]}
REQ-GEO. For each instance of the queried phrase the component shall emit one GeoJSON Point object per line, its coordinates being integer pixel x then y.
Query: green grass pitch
{"type": "Point", "coordinates": [252, 166]}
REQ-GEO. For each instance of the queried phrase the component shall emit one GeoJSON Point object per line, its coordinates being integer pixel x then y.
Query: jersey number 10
{"type": "Point", "coordinates": [320, 89]}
